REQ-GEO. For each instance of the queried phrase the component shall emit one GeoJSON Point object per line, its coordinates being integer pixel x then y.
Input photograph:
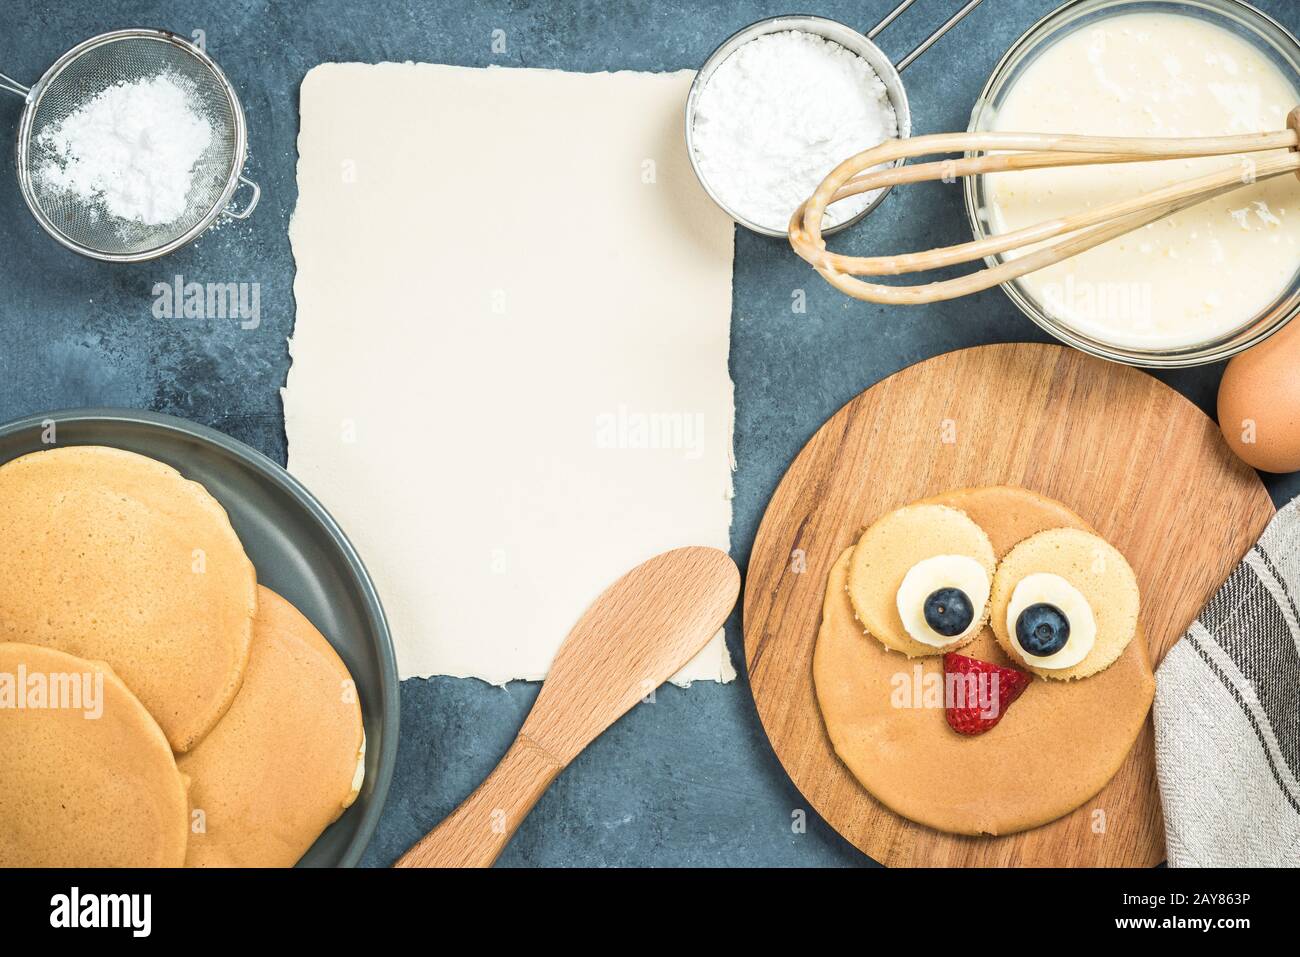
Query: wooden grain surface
{"type": "Point", "coordinates": [1138, 461]}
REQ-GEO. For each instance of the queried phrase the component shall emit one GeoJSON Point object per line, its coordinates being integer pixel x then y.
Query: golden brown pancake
{"type": "Point", "coordinates": [1090, 564]}
{"type": "Point", "coordinates": [1055, 747]}
{"type": "Point", "coordinates": [893, 544]}
{"type": "Point", "coordinates": [279, 768]}
{"type": "Point", "coordinates": [87, 778]}
{"type": "Point", "coordinates": [115, 557]}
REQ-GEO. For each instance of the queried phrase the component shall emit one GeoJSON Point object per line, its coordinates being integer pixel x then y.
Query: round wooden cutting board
{"type": "Point", "coordinates": [1136, 460]}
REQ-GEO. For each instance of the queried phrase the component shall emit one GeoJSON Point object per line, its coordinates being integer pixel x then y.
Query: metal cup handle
{"type": "Point", "coordinates": [929, 41]}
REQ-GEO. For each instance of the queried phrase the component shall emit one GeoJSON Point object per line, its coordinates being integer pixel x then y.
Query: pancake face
{"type": "Point", "coordinates": [87, 778]}
{"type": "Point", "coordinates": [1056, 747]}
{"type": "Point", "coordinates": [115, 557]}
{"type": "Point", "coordinates": [909, 553]}
{"type": "Point", "coordinates": [280, 766]}
{"type": "Point", "coordinates": [1088, 579]}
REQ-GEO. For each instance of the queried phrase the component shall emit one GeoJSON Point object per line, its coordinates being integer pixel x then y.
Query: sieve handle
{"type": "Point", "coordinates": [252, 203]}
{"type": "Point", "coordinates": [929, 41]}
{"type": "Point", "coordinates": [13, 86]}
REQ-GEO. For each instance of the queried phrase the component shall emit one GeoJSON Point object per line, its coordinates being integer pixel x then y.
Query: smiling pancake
{"type": "Point", "coordinates": [1056, 747]}
{"type": "Point", "coordinates": [115, 557]}
{"type": "Point", "coordinates": [90, 782]}
{"type": "Point", "coordinates": [282, 764]}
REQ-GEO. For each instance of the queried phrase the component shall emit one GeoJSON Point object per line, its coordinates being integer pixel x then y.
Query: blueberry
{"type": "Point", "coordinates": [948, 611]}
{"type": "Point", "coordinates": [1042, 630]}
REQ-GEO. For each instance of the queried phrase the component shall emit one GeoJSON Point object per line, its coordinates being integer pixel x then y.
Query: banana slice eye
{"type": "Point", "coordinates": [942, 599]}
{"type": "Point", "coordinates": [1050, 621]}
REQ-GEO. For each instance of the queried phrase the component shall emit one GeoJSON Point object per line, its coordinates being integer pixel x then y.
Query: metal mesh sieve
{"type": "Point", "coordinates": [92, 67]}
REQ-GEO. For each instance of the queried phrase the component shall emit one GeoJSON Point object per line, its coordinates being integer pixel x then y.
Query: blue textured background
{"type": "Point", "coordinates": [690, 780]}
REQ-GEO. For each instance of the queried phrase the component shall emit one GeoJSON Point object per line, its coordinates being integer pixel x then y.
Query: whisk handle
{"type": "Point", "coordinates": [1073, 234]}
{"type": "Point", "coordinates": [1293, 124]}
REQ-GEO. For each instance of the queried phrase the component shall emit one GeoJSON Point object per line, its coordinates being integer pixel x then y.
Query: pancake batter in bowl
{"type": "Point", "coordinates": [1192, 277]}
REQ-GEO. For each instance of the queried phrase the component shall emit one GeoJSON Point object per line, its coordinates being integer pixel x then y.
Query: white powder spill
{"type": "Point", "coordinates": [131, 149]}
{"type": "Point", "coordinates": [778, 115]}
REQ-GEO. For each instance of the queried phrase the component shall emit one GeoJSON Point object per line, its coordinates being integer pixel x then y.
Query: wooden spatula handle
{"type": "Point", "coordinates": [476, 832]}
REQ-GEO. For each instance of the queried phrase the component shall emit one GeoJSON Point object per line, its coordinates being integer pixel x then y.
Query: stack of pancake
{"type": "Point", "coordinates": [157, 706]}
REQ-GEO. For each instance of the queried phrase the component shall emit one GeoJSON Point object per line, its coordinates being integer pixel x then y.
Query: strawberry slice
{"type": "Point", "coordinates": [978, 693]}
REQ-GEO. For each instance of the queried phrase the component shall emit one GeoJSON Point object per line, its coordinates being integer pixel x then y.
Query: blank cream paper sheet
{"type": "Point", "coordinates": [509, 380]}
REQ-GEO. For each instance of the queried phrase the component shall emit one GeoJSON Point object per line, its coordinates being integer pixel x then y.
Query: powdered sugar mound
{"type": "Point", "coordinates": [131, 148]}
{"type": "Point", "coordinates": [778, 115]}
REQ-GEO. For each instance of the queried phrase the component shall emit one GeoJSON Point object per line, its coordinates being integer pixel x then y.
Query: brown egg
{"type": "Point", "coordinates": [1259, 403]}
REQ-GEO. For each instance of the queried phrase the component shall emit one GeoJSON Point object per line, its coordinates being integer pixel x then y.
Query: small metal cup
{"type": "Point", "coordinates": [851, 40]}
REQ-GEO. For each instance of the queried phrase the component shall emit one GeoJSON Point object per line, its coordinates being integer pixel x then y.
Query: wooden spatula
{"type": "Point", "coordinates": [640, 632]}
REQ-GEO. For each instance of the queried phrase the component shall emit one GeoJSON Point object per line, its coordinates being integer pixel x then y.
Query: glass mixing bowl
{"type": "Point", "coordinates": [1266, 34]}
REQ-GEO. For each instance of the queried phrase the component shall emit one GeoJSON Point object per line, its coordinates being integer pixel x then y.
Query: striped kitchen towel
{"type": "Point", "coordinates": [1227, 716]}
